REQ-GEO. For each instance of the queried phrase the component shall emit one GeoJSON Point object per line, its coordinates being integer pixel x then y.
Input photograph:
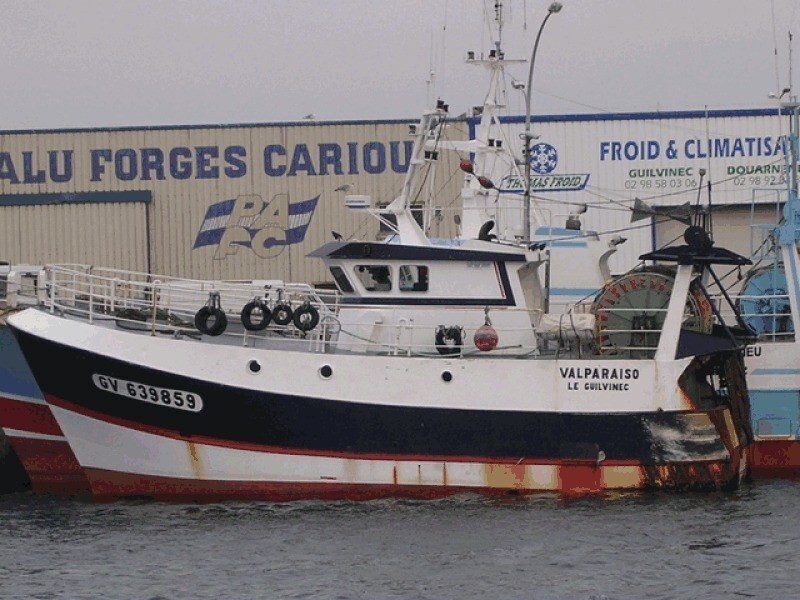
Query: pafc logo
{"type": "Point", "coordinates": [544, 160]}
{"type": "Point", "coordinates": [264, 227]}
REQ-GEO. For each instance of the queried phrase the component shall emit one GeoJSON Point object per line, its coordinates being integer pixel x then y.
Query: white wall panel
{"type": "Point", "coordinates": [746, 157]}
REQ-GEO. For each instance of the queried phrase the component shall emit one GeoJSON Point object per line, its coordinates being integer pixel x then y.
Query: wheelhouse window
{"type": "Point", "coordinates": [413, 278]}
{"type": "Point", "coordinates": [341, 280]}
{"type": "Point", "coordinates": [375, 278]}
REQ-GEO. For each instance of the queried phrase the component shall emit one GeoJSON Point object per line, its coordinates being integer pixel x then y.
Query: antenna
{"type": "Point", "coordinates": [775, 47]}
{"type": "Point", "coordinates": [498, 16]}
{"type": "Point", "coordinates": [702, 173]}
{"type": "Point", "coordinates": [710, 211]}
{"type": "Point", "coordinates": [430, 82]}
{"type": "Point", "coordinates": [708, 154]}
{"type": "Point", "coordinates": [790, 60]}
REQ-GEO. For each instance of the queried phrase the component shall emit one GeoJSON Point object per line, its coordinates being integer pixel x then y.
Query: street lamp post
{"type": "Point", "coordinates": [552, 9]}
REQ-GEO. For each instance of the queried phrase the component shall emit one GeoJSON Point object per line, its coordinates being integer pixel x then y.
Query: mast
{"type": "Point", "coordinates": [407, 227]}
{"type": "Point", "coordinates": [489, 141]}
{"type": "Point", "coordinates": [789, 230]}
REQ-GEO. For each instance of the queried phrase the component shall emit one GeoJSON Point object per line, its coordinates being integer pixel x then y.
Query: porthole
{"type": "Point", "coordinates": [447, 376]}
{"type": "Point", "coordinates": [325, 371]}
{"type": "Point", "coordinates": [253, 366]}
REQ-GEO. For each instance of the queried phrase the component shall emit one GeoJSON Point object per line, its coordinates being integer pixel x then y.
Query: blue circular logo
{"type": "Point", "coordinates": [544, 158]}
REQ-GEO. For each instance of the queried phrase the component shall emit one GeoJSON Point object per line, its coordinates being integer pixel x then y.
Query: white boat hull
{"type": "Point", "coordinates": [404, 429]}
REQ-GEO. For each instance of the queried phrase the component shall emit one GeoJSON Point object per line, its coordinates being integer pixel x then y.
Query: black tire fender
{"type": "Point", "coordinates": [282, 314]}
{"type": "Point", "coordinates": [306, 318]}
{"type": "Point", "coordinates": [205, 315]}
{"type": "Point", "coordinates": [449, 333]}
{"type": "Point", "coordinates": [247, 316]}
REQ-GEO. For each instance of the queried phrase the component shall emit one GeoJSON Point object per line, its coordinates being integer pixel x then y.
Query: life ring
{"type": "Point", "coordinates": [282, 314]}
{"type": "Point", "coordinates": [210, 320]}
{"type": "Point", "coordinates": [247, 315]}
{"type": "Point", "coordinates": [306, 317]}
{"type": "Point", "coordinates": [448, 333]}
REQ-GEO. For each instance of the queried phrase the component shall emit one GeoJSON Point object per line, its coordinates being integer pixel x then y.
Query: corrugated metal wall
{"type": "Point", "coordinates": [100, 234]}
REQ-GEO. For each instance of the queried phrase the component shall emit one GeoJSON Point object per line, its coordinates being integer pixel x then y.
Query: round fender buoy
{"type": "Point", "coordinates": [453, 334]}
{"type": "Point", "coordinates": [485, 338]}
{"type": "Point", "coordinates": [306, 317]}
{"type": "Point", "coordinates": [282, 314]}
{"type": "Point", "coordinates": [255, 316]}
{"type": "Point", "coordinates": [210, 320]}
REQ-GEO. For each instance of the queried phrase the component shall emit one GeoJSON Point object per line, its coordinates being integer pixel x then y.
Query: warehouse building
{"type": "Point", "coordinates": [252, 200]}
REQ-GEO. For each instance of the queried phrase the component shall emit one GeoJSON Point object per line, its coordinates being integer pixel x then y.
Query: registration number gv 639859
{"type": "Point", "coordinates": [151, 394]}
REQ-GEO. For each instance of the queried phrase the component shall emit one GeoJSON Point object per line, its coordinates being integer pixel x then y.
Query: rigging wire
{"type": "Point", "coordinates": [658, 122]}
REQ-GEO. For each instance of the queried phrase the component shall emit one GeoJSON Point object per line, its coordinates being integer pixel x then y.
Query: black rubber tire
{"type": "Point", "coordinates": [204, 315]}
{"type": "Point", "coordinates": [306, 324]}
{"type": "Point", "coordinates": [282, 314]}
{"type": "Point", "coordinates": [247, 316]}
{"type": "Point", "coordinates": [452, 333]}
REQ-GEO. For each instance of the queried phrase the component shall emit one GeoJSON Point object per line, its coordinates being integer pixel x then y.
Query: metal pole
{"type": "Point", "coordinates": [552, 9]}
{"type": "Point", "coordinates": [794, 141]}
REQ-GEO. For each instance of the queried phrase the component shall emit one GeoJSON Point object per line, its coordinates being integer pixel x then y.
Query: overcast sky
{"type": "Point", "coordinates": [93, 63]}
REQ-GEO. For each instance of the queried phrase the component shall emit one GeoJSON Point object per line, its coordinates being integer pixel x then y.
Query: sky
{"type": "Point", "coordinates": [98, 63]}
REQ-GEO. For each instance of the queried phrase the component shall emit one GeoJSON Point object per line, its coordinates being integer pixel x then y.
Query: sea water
{"type": "Point", "coordinates": [719, 545]}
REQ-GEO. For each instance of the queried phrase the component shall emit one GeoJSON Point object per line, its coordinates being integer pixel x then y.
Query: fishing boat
{"type": "Point", "coordinates": [474, 364]}
{"type": "Point", "coordinates": [769, 301]}
{"type": "Point", "coordinates": [33, 434]}
{"type": "Point", "coordinates": [434, 370]}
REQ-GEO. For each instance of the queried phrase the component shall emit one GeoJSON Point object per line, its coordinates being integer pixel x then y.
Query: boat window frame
{"type": "Point", "coordinates": [362, 276]}
{"type": "Point", "coordinates": [341, 279]}
{"type": "Point", "coordinates": [420, 282]}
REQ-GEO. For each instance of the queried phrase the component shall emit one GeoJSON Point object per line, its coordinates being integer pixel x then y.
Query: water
{"type": "Point", "coordinates": [744, 544]}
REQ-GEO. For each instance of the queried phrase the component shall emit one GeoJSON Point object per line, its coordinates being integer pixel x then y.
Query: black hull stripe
{"type": "Point", "coordinates": [75, 408]}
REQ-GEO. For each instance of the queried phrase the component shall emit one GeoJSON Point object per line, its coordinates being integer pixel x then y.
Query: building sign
{"type": "Point", "coordinates": [544, 177]}
{"type": "Point", "coordinates": [750, 161]}
{"type": "Point", "coordinates": [205, 162]}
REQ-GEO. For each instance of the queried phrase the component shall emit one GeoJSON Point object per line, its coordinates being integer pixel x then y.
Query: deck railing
{"type": "Point", "coordinates": [167, 306]}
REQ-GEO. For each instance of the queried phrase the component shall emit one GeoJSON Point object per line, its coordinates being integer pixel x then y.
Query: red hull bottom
{"type": "Point", "coordinates": [51, 467]}
{"type": "Point", "coordinates": [48, 461]}
{"type": "Point", "coordinates": [575, 480]}
{"type": "Point", "coordinates": [775, 459]}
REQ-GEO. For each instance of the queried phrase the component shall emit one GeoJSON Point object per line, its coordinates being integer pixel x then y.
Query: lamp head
{"type": "Point", "coordinates": [778, 96]}
{"type": "Point", "coordinates": [554, 7]}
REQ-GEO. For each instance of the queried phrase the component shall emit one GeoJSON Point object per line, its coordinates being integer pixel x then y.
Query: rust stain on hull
{"type": "Point", "coordinates": [196, 467]}
{"type": "Point", "coordinates": [511, 477]}
{"type": "Point", "coordinates": [697, 476]}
